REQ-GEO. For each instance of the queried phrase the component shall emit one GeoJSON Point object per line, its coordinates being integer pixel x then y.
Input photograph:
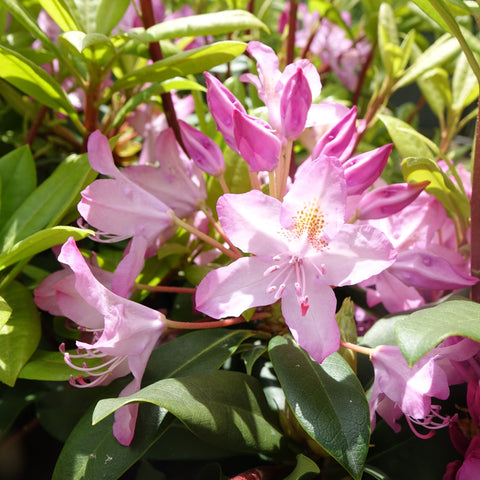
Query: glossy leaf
{"type": "Point", "coordinates": [19, 337]}
{"type": "Point", "coordinates": [204, 24]}
{"type": "Point", "coordinates": [92, 452]}
{"type": "Point", "coordinates": [108, 14]}
{"type": "Point", "coordinates": [194, 352]}
{"type": "Point", "coordinates": [325, 398]}
{"type": "Point", "coordinates": [33, 81]}
{"type": "Point", "coordinates": [184, 63]}
{"type": "Point", "coordinates": [464, 85]}
{"type": "Point", "coordinates": [40, 241]}
{"type": "Point", "coordinates": [437, 54]}
{"type": "Point", "coordinates": [407, 140]}
{"type": "Point", "coordinates": [435, 86]}
{"type": "Point", "coordinates": [425, 169]}
{"type": "Point", "coordinates": [18, 179]}
{"type": "Point", "coordinates": [47, 205]}
{"type": "Point", "coordinates": [431, 11]}
{"type": "Point", "coordinates": [224, 408]}
{"type": "Point", "coordinates": [425, 329]}
{"type": "Point", "coordinates": [61, 14]}
{"type": "Point", "coordinates": [5, 312]}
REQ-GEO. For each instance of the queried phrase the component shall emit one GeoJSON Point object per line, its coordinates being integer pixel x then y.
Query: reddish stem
{"type": "Point", "coordinates": [32, 133]}
{"type": "Point", "coordinates": [475, 215]}
{"type": "Point", "coordinates": [292, 25]}
{"type": "Point", "coordinates": [155, 50]}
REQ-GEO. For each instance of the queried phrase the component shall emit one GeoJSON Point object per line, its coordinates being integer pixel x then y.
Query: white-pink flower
{"type": "Point", "coordinates": [300, 248]}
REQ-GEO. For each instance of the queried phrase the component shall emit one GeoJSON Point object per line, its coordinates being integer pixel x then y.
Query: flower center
{"type": "Point", "coordinates": [308, 223]}
{"type": "Point", "coordinates": [284, 270]}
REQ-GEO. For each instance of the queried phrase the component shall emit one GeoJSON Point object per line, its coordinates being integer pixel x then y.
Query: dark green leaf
{"type": "Point", "coordinates": [425, 329]}
{"type": "Point", "coordinates": [92, 452]}
{"type": "Point", "coordinates": [327, 400]}
{"type": "Point", "coordinates": [108, 14]}
{"type": "Point", "coordinates": [225, 408]}
{"type": "Point", "coordinates": [194, 352]}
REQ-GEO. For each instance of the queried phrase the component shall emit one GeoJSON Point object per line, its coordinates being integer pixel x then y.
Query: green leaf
{"type": "Point", "coordinates": [305, 469]}
{"type": "Point", "coordinates": [348, 331]}
{"type": "Point", "coordinates": [5, 312]}
{"type": "Point", "coordinates": [47, 204]}
{"type": "Point", "coordinates": [19, 337]}
{"type": "Point", "coordinates": [18, 179]}
{"type": "Point", "coordinates": [194, 352]}
{"type": "Point", "coordinates": [225, 408]}
{"type": "Point", "coordinates": [325, 398]}
{"type": "Point", "coordinates": [435, 86]}
{"type": "Point", "coordinates": [40, 241]}
{"type": "Point", "coordinates": [22, 15]}
{"type": "Point", "coordinates": [425, 329]}
{"type": "Point", "coordinates": [61, 14]}
{"type": "Point", "coordinates": [108, 14]}
{"type": "Point", "coordinates": [437, 54]}
{"type": "Point", "coordinates": [422, 169]}
{"type": "Point", "coordinates": [197, 25]}
{"type": "Point", "coordinates": [184, 63]}
{"type": "Point", "coordinates": [407, 140]}
{"type": "Point", "coordinates": [430, 10]}
{"type": "Point", "coordinates": [92, 452]}
{"type": "Point", "coordinates": [47, 366]}
{"type": "Point", "coordinates": [34, 81]}
{"type": "Point", "coordinates": [464, 85]}
{"type": "Point", "coordinates": [92, 47]}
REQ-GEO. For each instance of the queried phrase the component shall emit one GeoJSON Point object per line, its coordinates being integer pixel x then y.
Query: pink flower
{"type": "Point", "coordinates": [300, 248]}
{"type": "Point", "coordinates": [271, 83]}
{"type": "Point", "coordinates": [120, 332]}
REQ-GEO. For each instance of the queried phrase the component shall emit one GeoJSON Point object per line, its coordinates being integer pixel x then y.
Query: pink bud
{"type": "Point", "coordinates": [256, 142]}
{"type": "Point", "coordinates": [222, 104]}
{"type": "Point", "coordinates": [422, 269]}
{"type": "Point", "coordinates": [294, 105]}
{"type": "Point", "coordinates": [362, 170]}
{"type": "Point", "coordinates": [385, 201]}
{"type": "Point", "coordinates": [339, 141]}
{"type": "Point", "coordinates": [202, 150]}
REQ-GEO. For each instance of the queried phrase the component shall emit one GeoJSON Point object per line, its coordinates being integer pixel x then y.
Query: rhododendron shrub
{"type": "Point", "coordinates": [239, 243]}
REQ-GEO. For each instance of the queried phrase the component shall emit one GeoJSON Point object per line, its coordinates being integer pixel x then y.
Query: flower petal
{"type": "Point", "coordinates": [317, 331]}
{"type": "Point", "coordinates": [251, 221]}
{"type": "Point", "coordinates": [229, 291]}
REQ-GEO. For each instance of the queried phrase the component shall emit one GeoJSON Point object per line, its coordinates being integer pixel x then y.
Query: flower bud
{"type": "Point", "coordinates": [385, 201]}
{"type": "Point", "coordinates": [202, 150]}
{"type": "Point", "coordinates": [362, 170]}
{"type": "Point", "coordinates": [340, 140]}
{"type": "Point", "coordinates": [222, 103]}
{"type": "Point", "coordinates": [256, 142]}
{"type": "Point", "coordinates": [294, 105]}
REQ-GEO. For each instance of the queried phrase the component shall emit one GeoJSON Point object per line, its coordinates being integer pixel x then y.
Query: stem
{"type": "Point", "coordinates": [356, 348]}
{"type": "Point", "coordinates": [32, 133]}
{"type": "Point", "coordinates": [475, 214]}
{"type": "Point", "coordinates": [292, 24]}
{"type": "Point", "coordinates": [203, 325]}
{"type": "Point", "coordinates": [162, 288]}
{"type": "Point", "coordinates": [223, 183]}
{"type": "Point", "coordinates": [202, 236]}
{"type": "Point", "coordinates": [283, 177]}
{"type": "Point", "coordinates": [155, 50]}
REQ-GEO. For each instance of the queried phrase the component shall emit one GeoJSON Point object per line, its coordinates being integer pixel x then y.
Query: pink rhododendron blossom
{"type": "Point", "coordinates": [300, 248]}
{"type": "Point", "coordinates": [122, 333]}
